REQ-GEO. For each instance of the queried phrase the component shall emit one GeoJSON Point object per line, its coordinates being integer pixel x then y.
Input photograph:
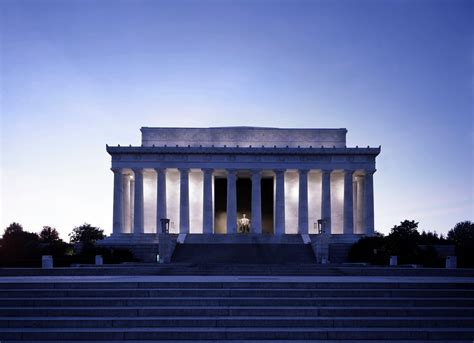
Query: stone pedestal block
{"type": "Point", "coordinates": [451, 262]}
{"type": "Point", "coordinates": [99, 260]}
{"type": "Point", "coordinates": [47, 262]}
{"type": "Point", "coordinates": [393, 260]}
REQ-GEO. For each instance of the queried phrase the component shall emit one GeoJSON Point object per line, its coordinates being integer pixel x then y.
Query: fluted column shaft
{"type": "Point", "coordinates": [184, 201]}
{"type": "Point", "coordinates": [138, 227]}
{"type": "Point", "coordinates": [117, 226]}
{"type": "Point", "coordinates": [127, 211]}
{"type": "Point", "coordinates": [208, 214]}
{"type": "Point", "coordinates": [326, 200]}
{"type": "Point", "coordinates": [160, 197]}
{"type": "Point", "coordinates": [360, 205]}
{"type": "Point", "coordinates": [231, 202]}
{"type": "Point", "coordinates": [303, 202]}
{"type": "Point", "coordinates": [280, 202]}
{"type": "Point", "coordinates": [348, 227]}
{"type": "Point", "coordinates": [369, 202]}
{"type": "Point", "coordinates": [256, 225]}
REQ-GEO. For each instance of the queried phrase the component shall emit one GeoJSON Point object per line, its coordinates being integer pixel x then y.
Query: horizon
{"type": "Point", "coordinates": [79, 75]}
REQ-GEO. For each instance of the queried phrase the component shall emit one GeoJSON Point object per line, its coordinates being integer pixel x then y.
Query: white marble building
{"type": "Point", "coordinates": [205, 179]}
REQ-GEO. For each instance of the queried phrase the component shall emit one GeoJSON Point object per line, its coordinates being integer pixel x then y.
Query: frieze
{"type": "Point", "coordinates": [242, 158]}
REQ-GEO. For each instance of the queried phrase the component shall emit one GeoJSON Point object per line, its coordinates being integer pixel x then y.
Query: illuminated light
{"type": "Point", "coordinates": [314, 200]}
{"type": "Point", "coordinates": [337, 199]}
{"type": "Point", "coordinates": [172, 198]}
{"type": "Point", "coordinates": [196, 179]}
{"type": "Point", "coordinates": [291, 201]}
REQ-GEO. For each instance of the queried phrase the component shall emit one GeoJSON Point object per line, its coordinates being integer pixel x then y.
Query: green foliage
{"type": "Point", "coordinates": [49, 235]}
{"type": "Point", "coordinates": [18, 245]}
{"type": "Point", "coordinates": [403, 241]}
{"type": "Point", "coordinates": [431, 238]}
{"type": "Point", "coordinates": [86, 233]}
{"type": "Point", "coordinates": [13, 229]}
{"type": "Point", "coordinates": [370, 250]}
{"type": "Point", "coordinates": [110, 255]}
{"type": "Point", "coordinates": [407, 229]}
{"type": "Point", "coordinates": [462, 235]}
{"type": "Point", "coordinates": [19, 248]}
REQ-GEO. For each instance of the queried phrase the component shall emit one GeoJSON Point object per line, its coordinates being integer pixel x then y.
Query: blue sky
{"type": "Point", "coordinates": [76, 75]}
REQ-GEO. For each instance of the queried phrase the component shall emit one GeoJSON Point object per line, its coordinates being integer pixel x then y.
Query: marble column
{"type": "Point", "coordinates": [348, 228]}
{"type": "Point", "coordinates": [160, 197]}
{"type": "Point", "coordinates": [360, 204]}
{"type": "Point", "coordinates": [117, 227]}
{"type": "Point", "coordinates": [326, 200]}
{"type": "Point", "coordinates": [256, 224]}
{"type": "Point", "coordinates": [231, 201]}
{"type": "Point", "coordinates": [138, 211]}
{"type": "Point", "coordinates": [369, 202]}
{"type": "Point", "coordinates": [127, 213]}
{"type": "Point", "coordinates": [280, 202]}
{"type": "Point", "coordinates": [184, 201]}
{"type": "Point", "coordinates": [303, 202]}
{"type": "Point", "coordinates": [208, 213]}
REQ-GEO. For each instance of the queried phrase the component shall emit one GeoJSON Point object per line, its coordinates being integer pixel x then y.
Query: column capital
{"type": "Point", "coordinates": [326, 171]}
{"type": "Point", "coordinates": [207, 170]}
{"type": "Point", "coordinates": [116, 170]}
{"type": "Point", "coordinates": [137, 170]}
{"type": "Point", "coordinates": [303, 171]}
{"type": "Point", "coordinates": [160, 170]}
{"type": "Point", "coordinates": [256, 171]}
{"type": "Point", "coordinates": [349, 170]}
{"type": "Point", "coordinates": [369, 171]}
{"type": "Point", "coordinates": [279, 171]}
{"type": "Point", "coordinates": [183, 170]}
{"type": "Point", "coordinates": [231, 171]}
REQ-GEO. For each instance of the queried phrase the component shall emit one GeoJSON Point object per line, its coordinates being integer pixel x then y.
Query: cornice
{"type": "Point", "coordinates": [116, 150]}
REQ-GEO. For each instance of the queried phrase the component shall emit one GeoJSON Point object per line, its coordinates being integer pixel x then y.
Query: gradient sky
{"type": "Point", "coordinates": [76, 75]}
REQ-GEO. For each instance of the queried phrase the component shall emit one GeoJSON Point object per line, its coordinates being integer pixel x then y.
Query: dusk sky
{"type": "Point", "coordinates": [77, 75]}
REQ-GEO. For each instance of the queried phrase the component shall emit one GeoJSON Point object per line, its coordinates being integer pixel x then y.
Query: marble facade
{"type": "Point", "coordinates": [173, 174]}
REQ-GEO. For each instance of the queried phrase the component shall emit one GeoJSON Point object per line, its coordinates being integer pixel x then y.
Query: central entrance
{"type": "Point", "coordinates": [244, 203]}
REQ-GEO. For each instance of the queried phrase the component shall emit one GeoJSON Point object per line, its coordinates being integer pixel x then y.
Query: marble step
{"type": "Point", "coordinates": [237, 301]}
{"type": "Point", "coordinates": [248, 292]}
{"type": "Point", "coordinates": [107, 334]}
{"type": "Point", "coordinates": [235, 321]}
{"type": "Point", "coordinates": [243, 283]}
{"type": "Point", "coordinates": [261, 311]}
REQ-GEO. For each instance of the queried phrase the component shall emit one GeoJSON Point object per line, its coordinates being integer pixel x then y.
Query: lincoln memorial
{"type": "Point", "coordinates": [242, 180]}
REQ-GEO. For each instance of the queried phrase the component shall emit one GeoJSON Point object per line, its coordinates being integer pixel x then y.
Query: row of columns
{"type": "Point", "coordinates": [208, 215]}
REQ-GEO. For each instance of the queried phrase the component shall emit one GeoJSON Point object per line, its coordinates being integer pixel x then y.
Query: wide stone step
{"type": "Point", "coordinates": [245, 283]}
{"type": "Point", "coordinates": [253, 321]}
{"type": "Point", "coordinates": [107, 334]}
{"type": "Point", "coordinates": [237, 301]}
{"type": "Point", "coordinates": [228, 311]}
{"type": "Point", "coordinates": [219, 292]}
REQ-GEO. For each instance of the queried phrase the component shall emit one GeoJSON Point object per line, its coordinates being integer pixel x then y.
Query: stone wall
{"type": "Point", "coordinates": [243, 136]}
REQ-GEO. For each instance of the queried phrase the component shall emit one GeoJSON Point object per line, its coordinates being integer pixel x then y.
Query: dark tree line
{"type": "Point", "coordinates": [20, 248]}
{"type": "Point", "coordinates": [413, 247]}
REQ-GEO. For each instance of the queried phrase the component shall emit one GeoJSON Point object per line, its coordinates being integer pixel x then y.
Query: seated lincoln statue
{"type": "Point", "coordinates": [244, 224]}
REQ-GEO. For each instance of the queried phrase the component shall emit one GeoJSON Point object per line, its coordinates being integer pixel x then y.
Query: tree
{"type": "Point", "coordinates": [49, 235]}
{"type": "Point", "coordinates": [407, 229]}
{"type": "Point", "coordinates": [431, 238]}
{"type": "Point", "coordinates": [86, 233]}
{"type": "Point", "coordinates": [403, 242]}
{"type": "Point", "coordinates": [462, 235]}
{"type": "Point", "coordinates": [12, 229]}
{"type": "Point", "coordinates": [18, 245]}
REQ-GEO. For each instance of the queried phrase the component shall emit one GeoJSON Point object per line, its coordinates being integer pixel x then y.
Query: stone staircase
{"type": "Point", "coordinates": [238, 308]}
{"type": "Point", "coordinates": [244, 253]}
